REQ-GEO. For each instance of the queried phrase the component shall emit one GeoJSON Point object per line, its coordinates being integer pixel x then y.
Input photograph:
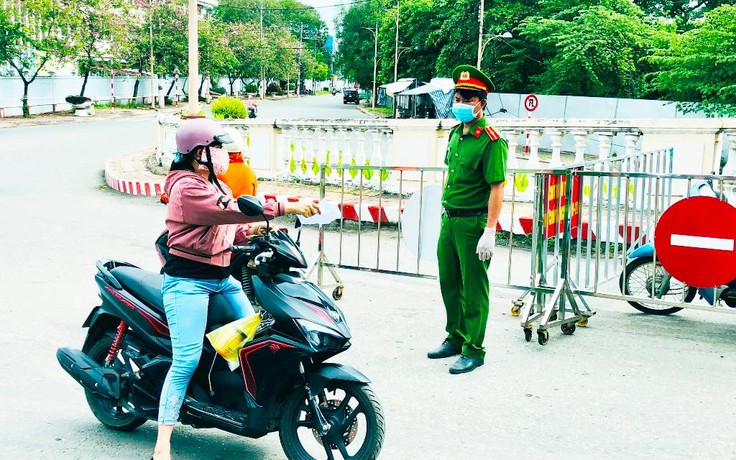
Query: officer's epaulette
{"type": "Point", "coordinates": [492, 133]}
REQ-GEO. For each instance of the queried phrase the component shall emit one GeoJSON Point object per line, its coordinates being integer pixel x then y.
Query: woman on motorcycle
{"type": "Point", "coordinates": [201, 220]}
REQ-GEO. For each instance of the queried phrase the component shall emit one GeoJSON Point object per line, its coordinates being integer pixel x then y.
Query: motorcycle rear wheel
{"type": "Point", "coordinates": [351, 408]}
{"type": "Point", "coordinates": [641, 276]}
{"type": "Point", "coordinates": [109, 414]}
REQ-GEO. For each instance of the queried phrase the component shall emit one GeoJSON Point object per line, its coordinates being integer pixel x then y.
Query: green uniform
{"type": "Point", "coordinates": [474, 160]}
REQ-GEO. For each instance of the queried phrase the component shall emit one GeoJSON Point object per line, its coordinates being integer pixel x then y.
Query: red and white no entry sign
{"type": "Point", "coordinates": [695, 240]}
{"type": "Point", "coordinates": [531, 102]}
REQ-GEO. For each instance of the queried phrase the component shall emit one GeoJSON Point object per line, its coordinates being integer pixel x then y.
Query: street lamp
{"type": "Point", "coordinates": [505, 36]}
{"type": "Point", "coordinates": [375, 62]}
{"type": "Point", "coordinates": [401, 51]}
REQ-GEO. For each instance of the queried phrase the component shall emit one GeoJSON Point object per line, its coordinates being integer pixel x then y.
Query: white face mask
{"type": "Point", "coordinates": [220, 160]}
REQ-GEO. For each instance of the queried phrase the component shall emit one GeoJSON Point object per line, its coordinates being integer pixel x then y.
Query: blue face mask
{"type": "Point", "coordinates": [464, 112]}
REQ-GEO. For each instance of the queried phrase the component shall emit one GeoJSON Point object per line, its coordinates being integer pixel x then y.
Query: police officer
{"type": "Point", "coordinates": [472, 199]}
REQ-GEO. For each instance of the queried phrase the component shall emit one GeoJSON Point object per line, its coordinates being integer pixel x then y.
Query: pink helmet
{"type": "Point", "coordinates": [199, 132]}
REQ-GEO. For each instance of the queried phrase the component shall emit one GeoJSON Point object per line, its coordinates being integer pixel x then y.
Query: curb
{"type": "Point", "coordinates": [131, 186]}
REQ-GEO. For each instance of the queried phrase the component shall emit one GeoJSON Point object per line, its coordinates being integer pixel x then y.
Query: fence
{"type": "Point", "coordinates": [571, 244]}
{"type": "Point", "coordinates": [297, 148]}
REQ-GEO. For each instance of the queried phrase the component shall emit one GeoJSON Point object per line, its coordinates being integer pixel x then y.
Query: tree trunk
{"type": "Point", "coordinates": [26, 109]}
{"type": "Point", "coordinates": [87, 70]}
{"type": "Point", "coordinates": [84, 83]}
{"type": "Point", "coordinates": [135, 87]}
{"type": "Point", "coordinates": [201, 84]}
{"type": "Point", "coordinates": [232, 82]}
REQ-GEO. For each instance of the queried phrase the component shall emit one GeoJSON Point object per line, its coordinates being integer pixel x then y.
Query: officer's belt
{"type": "Point", "coordinates": [464, 212]}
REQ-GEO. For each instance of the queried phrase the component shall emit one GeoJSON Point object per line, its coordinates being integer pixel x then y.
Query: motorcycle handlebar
{"type": "Point", "coordinates": [243, 249]}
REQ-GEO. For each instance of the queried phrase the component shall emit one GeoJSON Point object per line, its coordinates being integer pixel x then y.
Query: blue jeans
{"type": "Point", "coordinates": [185, 302]}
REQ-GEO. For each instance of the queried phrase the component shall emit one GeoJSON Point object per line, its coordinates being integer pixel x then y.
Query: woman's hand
{"type": "Point", "coordinates": [303, 208]}
{"type": "Point", "coordinates": [258, 229]}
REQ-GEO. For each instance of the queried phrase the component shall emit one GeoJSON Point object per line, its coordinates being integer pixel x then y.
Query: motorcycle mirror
{"type": "Point", "coordinates": [250, 206]}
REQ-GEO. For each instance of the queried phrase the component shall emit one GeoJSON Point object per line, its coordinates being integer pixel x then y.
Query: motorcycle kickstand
{"type": "Point", "coordinates": [322, 426]}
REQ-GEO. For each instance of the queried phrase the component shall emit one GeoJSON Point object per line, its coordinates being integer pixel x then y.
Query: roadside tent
{"type": "Point", "coordinates": [439, 91]}
{"type": "Point", "coordinates": [389, 90]}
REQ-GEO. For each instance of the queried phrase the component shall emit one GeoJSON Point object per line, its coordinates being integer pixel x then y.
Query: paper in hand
{"type": "Point", "coordinates": [328, 212]}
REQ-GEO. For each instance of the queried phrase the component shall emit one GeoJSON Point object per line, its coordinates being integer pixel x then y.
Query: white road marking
{"type": "Point", "coordinates": [702, 242]}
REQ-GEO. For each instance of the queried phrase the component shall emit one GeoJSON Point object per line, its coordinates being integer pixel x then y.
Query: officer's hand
{"type": "Point", "coordinates": [486, 244]}
{"type": "Point", "coordinates": [303, 208]}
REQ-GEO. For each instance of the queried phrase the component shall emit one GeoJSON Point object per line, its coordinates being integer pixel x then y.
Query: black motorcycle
{"type": "Point", "coordinates": [320, 409]}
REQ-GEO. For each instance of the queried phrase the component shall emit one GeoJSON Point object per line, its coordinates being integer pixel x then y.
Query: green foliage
{"type": "Point", "coordinates": [228, 108]}
{"type": "Point", "coordinates": [273, 87]}
{"type": "Point", "coordinates": [99, 34]}
{"type": "Point", "coordinates": [700, 65]}
{"type": "Point", "coordinates": [590, 50]}
{"type": "Point", "coordinates": [166, 24]}
{"type": "Point", "coordinates": [27, 47]}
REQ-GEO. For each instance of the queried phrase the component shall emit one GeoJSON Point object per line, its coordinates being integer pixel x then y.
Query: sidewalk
{"type": "Point", "coordinates": [68, 117]}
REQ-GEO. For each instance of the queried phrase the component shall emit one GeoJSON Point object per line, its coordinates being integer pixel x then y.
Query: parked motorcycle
{"type": "Point", "coordinates": [283, 383]}
{"type": "Point", "coordinates": [643, 277]}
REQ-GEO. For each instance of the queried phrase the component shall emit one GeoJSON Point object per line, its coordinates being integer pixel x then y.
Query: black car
{"type": "Point", "coordinates": [350, 95]}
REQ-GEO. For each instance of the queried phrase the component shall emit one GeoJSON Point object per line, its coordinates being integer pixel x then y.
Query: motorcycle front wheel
{"type": "Point", "coordinates": [354, 414]}
{"type": "Point", "coordinates": [642, 277]}
{"type": "Point", "coordinates": [107, 412]}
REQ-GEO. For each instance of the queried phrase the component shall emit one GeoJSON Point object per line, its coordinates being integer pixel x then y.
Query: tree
{"type": "Point", "coordinates": [215, 57]}
{"type": "Point", "coordinates": [163, 27]}
{"type": "Point", "coordinates": [683, 11]}
{"type": "Point", "coordinates": [700, 65]}
{"type": "Point", "coordinates": [32, 36]}
{"type": "Point", "coordinates": [100, 29]}
{"type": "Point", "coordinates": [243, 42]}
{"type": "Point", "coordinates": [355, 55]}
{"type": "Point", "coordinates": [590, 50]}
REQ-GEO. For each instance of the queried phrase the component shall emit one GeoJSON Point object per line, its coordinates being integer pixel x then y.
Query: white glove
{"type": "Point", "coordinates": [486, 244]}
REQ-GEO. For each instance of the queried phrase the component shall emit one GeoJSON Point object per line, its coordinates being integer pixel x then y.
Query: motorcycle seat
{"type": "Point", "coordinates": [146, 287]}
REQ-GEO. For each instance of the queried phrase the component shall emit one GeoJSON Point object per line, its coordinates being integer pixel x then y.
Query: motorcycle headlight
{"type": "Point", "coordinates": [320, 336]}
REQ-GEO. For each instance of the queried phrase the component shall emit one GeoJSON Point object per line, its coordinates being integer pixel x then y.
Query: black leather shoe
{"type": "Point", "coordinates": [465, 364]}
{"type": "Point", "coordinates": [445, 350]}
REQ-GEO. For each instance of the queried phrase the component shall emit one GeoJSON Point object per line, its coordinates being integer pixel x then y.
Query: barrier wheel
{"type": "Point", "coordinates": [542, 337]}
{"type": "Point", "coordinates": [528, 334]}
{"type": "Point", "coordinates": [553, 316]}
{"type": "Point", "coordinates": [515, 310]}
{"type": "Point", "coordinates": [337, 293]}
{"type": "Point", "coordinates": [582, 322]}
{"type": "Point", "coordinates": [568, 328]}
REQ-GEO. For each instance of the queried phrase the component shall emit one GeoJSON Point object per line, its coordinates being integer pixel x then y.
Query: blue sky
{"type": "Point", "coordinates": [328, 14]}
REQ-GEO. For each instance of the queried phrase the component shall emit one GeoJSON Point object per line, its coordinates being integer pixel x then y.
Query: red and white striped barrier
{"type": "Point", "coordinates": [390, 214]}
{"type": "Point", "coordinates": [133, 187]}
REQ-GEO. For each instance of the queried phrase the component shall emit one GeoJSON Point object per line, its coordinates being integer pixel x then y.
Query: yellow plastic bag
{"type": "Point", "coordinates": [230, 338]}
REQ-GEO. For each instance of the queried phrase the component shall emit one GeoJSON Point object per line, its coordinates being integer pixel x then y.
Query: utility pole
{"type": "Point", "coordinates": [301, 43]}
{"type": "Point", "coordinates": [396, 42]}
{"type": "Point", "coordinates": [375, 65]}
{"type": "Point", "coordinates": [480, 33]}
{"type": "Point", "coordinates": [263, 70]}
{"type": "Point", "coordinates": [193, 59]}
{"type": "Point", "coordinates": [150, 36]}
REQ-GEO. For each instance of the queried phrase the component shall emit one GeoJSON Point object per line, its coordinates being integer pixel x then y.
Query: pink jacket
{"type": "Point", "coordinates": [202, 221]}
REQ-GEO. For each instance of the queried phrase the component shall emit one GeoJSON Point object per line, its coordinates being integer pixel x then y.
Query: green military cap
{"type": "Point", "coordinates": [470, 77]}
